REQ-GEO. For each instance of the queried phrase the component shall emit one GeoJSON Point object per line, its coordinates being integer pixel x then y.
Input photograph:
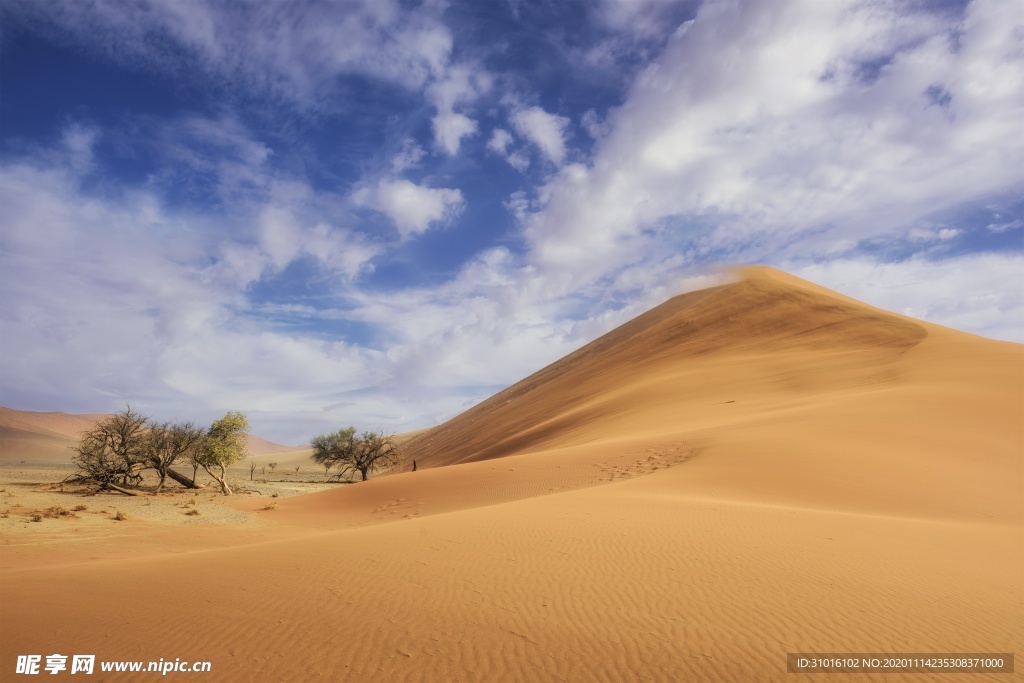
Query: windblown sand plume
{"type": "Point", "coordinates": [759, 468]}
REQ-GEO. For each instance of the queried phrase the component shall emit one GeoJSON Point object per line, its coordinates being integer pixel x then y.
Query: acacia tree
{"type": "Point", "coordinates": [350, 453]}
{"type": "Point", "coordinates": [166, 443]}
{"type": "Point", "coordinates": [114, 451]}
{"type": "Point", "coordinates": [224, 445]}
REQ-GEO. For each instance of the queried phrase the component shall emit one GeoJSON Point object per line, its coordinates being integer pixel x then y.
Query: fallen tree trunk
{"type": "Point", "coordinates": [183, 480]}
{"type": "Point", "coordinates": [126, 492]}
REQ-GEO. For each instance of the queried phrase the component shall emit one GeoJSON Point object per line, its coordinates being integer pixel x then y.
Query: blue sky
{"type": "Point", "coordinates": [379, 213]}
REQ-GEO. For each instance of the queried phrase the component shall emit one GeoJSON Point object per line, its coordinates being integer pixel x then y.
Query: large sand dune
{"type": "Point", "coordinates": [760, 468]}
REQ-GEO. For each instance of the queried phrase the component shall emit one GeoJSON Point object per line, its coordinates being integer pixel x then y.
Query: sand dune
{"type": "Point", "coordinates": [258, 447]}
{"type": "Point", "coordinates": [650, 361]}
{"type": "Point", "coordinates": [760, 468]}
{"type": "Point", "coordinates": [40, 437]}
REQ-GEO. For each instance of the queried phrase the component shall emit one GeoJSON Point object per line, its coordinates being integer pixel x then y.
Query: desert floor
{"type": "Point", "coordinates": [760, 469]}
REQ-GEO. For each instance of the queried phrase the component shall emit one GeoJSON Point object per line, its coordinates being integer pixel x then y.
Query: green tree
{"type": "Point", "coordinates": [366, 453]}
{"type": "Point", "coordinates": [224, 445]}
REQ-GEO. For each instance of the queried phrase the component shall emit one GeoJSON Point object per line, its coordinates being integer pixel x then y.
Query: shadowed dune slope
{"type": "Point", "coordinates": [764, 314]}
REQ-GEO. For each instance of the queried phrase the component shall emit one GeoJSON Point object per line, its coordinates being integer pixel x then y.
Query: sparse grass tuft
{"type": "Point", "coordinates": [272, 505]}
{"type": "Point", "coordinates": [192, 512]}
{"type": "Point", "coordinates": [80, 508]}
{"type": "Point", "coordinates": [36, 517]}
{"type": "Point", "coordinates": [120, 516]}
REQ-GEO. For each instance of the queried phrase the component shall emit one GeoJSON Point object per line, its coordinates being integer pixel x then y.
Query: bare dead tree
{"type": "Point", "coordinates": [113, 453]}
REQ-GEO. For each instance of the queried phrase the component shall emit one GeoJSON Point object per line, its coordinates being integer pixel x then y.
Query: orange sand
{"type": "Point", "coordinates": [751, 470]}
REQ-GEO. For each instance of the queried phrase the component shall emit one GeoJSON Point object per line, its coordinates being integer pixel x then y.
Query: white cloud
{"type": "Point", "coordinates": [460, 85]}
{"type": "Point", "coordinates": [279, 236]}
{"type": "Point", "coordinates": [149, 319]}
{"type": "Point", "coordinates": [413, 208]}
{"type": "Point", "coordinates": [1004, 227]}
{"type": "Point", "coordinates": [78, 144]}
{"type": "Point", "coordinates": [545, 130]}
{"type": "Point", "coordinates": [594, 125]}
{"type": "Point", "coordinates": [500, 140]}
{"type": "Point", "coordinates": [450, 128]}
{"type": "Point", "coordinates": [630, 33]}
{"type": "Point", "coordinates": [499, 143]}
{"type": "Point", "coordinates": [969, 292]}
{"type": "Point", "coordinates": [931, 234]}
{"type": "Point", "coordinates": [791, 127]}
{"type": "Point", "coordinates": [641, 17]}
{"type": "Point", "coordinates": [410, 156]}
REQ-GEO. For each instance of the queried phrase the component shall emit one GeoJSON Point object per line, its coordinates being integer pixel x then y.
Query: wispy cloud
{"type": "Point", "coordinates": [293, 50]}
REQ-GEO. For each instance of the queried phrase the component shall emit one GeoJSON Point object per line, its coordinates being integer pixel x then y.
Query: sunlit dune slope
{"type": "Point", "coordinates": [568, 400]}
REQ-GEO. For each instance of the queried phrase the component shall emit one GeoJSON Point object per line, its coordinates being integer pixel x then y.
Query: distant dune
{"type": "Point", "coordinates": [258, 446]}
{"type": "Point", "coordinates": [755, 469]}
{"type": "Point", "coordinates": [37, 437]}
